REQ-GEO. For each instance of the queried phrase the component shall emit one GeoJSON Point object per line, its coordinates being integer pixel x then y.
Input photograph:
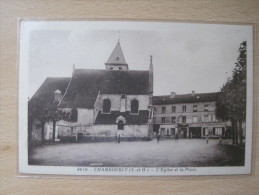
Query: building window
{"type": "Point", "coordinates": [172, 131]}
{"type": "Point", "coordinates": [111, 68]}
{"type": "Point", "coordinates": [163, 119]}
{"type": "Point", "coordinates": [206, 107]}
{"type": "Point", "coordinates": [218, 131]}
{"type": "Point", "coordinates": [184, 119]}
{"type": "Point", "coordinates": [106, 106]}
{"type": "Point", "coordinates": [134, 106]}
{"type": "Point", "coordinates": [173, 119]}
{"type": "Point", "coordinates": [195, 108]}
{"type": "Point", "coordinates": [120, 125]}
{"type": "Point", "coordinates": [206, 118]}
{"type": "Point", "coordinates": [163, 110]}
{"type": "Point", "coordinates": [194, 119]}
{"type": "Point", "coordinates": [74, 115]}
{"type": "Point", "coordinates": [184, 108]}
{"type": "Point", "coordinates": [120, 68]}
{"type": "Point", "coordinates": [206, 131]}
{"type": "Point", "coordinates": [173, 109]}
{"type": "Point", "coordinates": [162, 131]}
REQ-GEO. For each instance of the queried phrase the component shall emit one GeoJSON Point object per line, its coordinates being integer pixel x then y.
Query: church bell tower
{"type": "Point", "coordinates": [116, 61]}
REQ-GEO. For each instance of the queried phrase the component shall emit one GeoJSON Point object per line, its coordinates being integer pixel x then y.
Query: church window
{"type": "Point", "coordinates": [134, 106]}
{"type": "Point", "coordinates": [106, 106]}
{"type": "Point", "coordinates": [120, 125]}
{"type": "Point", "coordinates": [74, 115]}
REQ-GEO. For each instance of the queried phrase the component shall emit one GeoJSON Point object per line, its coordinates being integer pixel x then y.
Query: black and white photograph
{"type": "Point", "coordinates": [142, 98]}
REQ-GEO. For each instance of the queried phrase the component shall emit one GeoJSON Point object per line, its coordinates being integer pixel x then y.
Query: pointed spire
{"type": "Point", "coordinates": [117, 56]}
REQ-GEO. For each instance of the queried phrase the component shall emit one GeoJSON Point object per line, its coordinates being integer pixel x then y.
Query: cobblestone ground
{"type": "Point", "coordinates": [168, 153]}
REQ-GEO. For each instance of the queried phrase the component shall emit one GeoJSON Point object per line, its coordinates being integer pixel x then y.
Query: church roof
{"type": "Point", "coordinates": [87, 83]}
{"type": "Point", "coordinates": [117, 57]}
{"type": "Point", "coordinates": [51, 85]}
{"type": "Point", "coordinates": [185, 98]}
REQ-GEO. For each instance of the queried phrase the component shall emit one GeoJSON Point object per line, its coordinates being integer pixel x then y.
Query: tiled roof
{"type": "Point", "coordinates": [86, 84]}
{"type": "Point", "coordinates": [52, 84]}
{"type": "Point", "coordinates": [141, 118]}
{"type": "Point", "coordinates": [117, 56]}
{"type": "Point", "coordinates": [185, 98]}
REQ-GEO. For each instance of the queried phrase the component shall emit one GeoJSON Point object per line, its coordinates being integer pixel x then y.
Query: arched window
{"type": "Point", "coordinates": [120, 125]}
{"type": "Point", "coordinates": [134, 106]}
{"type": "Point", "coordinates": [106, 106]}
{"type": "Point", "coordinates": [74, 115]}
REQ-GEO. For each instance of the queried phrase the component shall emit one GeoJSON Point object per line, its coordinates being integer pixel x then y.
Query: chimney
{"type": "Point", "coordinates": [173, 94]}
{"type": "Point", "coordinates": [193, 93]}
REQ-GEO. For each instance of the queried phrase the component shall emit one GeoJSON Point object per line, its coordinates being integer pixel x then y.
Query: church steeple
{"type": "Point", "coordinates": [116, 61]}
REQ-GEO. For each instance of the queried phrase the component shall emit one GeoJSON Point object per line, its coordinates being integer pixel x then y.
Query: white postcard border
{"type": "Point", "coordinates": [24, 168]}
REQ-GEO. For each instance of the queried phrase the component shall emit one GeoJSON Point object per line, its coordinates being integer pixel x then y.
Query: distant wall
{"type": "Point", "coordinates": [104, 131]}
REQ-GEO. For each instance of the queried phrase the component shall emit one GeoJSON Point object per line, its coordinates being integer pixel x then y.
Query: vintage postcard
{"type": "Point", "coordinates": [135, 98]}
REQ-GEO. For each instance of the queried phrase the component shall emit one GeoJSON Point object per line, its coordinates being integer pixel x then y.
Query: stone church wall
{"type": "Point", "coordinates": [116, 101]}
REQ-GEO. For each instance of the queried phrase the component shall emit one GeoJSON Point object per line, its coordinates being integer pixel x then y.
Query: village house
{"type": "Point", "coordinates": [189, 115]}
{"type": "Point", "coordinates": [50, 92]}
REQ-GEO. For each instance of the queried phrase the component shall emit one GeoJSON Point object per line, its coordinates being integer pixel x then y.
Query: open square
{"type": "Point", "coordinates": [166, 153]}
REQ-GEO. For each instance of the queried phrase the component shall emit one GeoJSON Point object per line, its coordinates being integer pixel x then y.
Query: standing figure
{"type": "Point", "coordinates": [176, 137]}
{"type": "Point", "coordinates": [116, 138]}
{"type": "Point", "coordinates": [158, 137]}
{"type": "Point", "coordinates": [207, 139]}
{"type": "Point", "coordinates": [119, 140]}
{"type": "Point", "coordinates": [220, 140]}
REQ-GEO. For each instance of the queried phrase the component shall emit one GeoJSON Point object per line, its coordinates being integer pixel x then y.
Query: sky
{"type": "Point", "coordinates": [186, 56]}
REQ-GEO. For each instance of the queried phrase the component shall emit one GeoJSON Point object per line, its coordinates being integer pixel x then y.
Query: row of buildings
{"type": "Point", "coordinates": [100, 104]}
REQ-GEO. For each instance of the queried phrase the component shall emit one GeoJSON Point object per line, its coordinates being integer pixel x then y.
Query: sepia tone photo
{"type": "Point", "coordinates": [135, 98]}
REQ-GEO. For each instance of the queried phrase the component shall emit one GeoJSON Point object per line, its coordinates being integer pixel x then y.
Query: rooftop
{"type": "Point", "coordinates": [87, 83]}
{"type": "Point", "coordinates": [185, 98]}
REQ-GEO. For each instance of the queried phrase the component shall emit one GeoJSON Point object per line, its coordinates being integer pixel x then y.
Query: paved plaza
{"type": "Point", "coordinates": [166, 153]}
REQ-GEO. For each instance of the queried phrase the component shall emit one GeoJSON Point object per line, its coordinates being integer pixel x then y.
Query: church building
{"type": "Point", "coordinates": [103, 104]}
